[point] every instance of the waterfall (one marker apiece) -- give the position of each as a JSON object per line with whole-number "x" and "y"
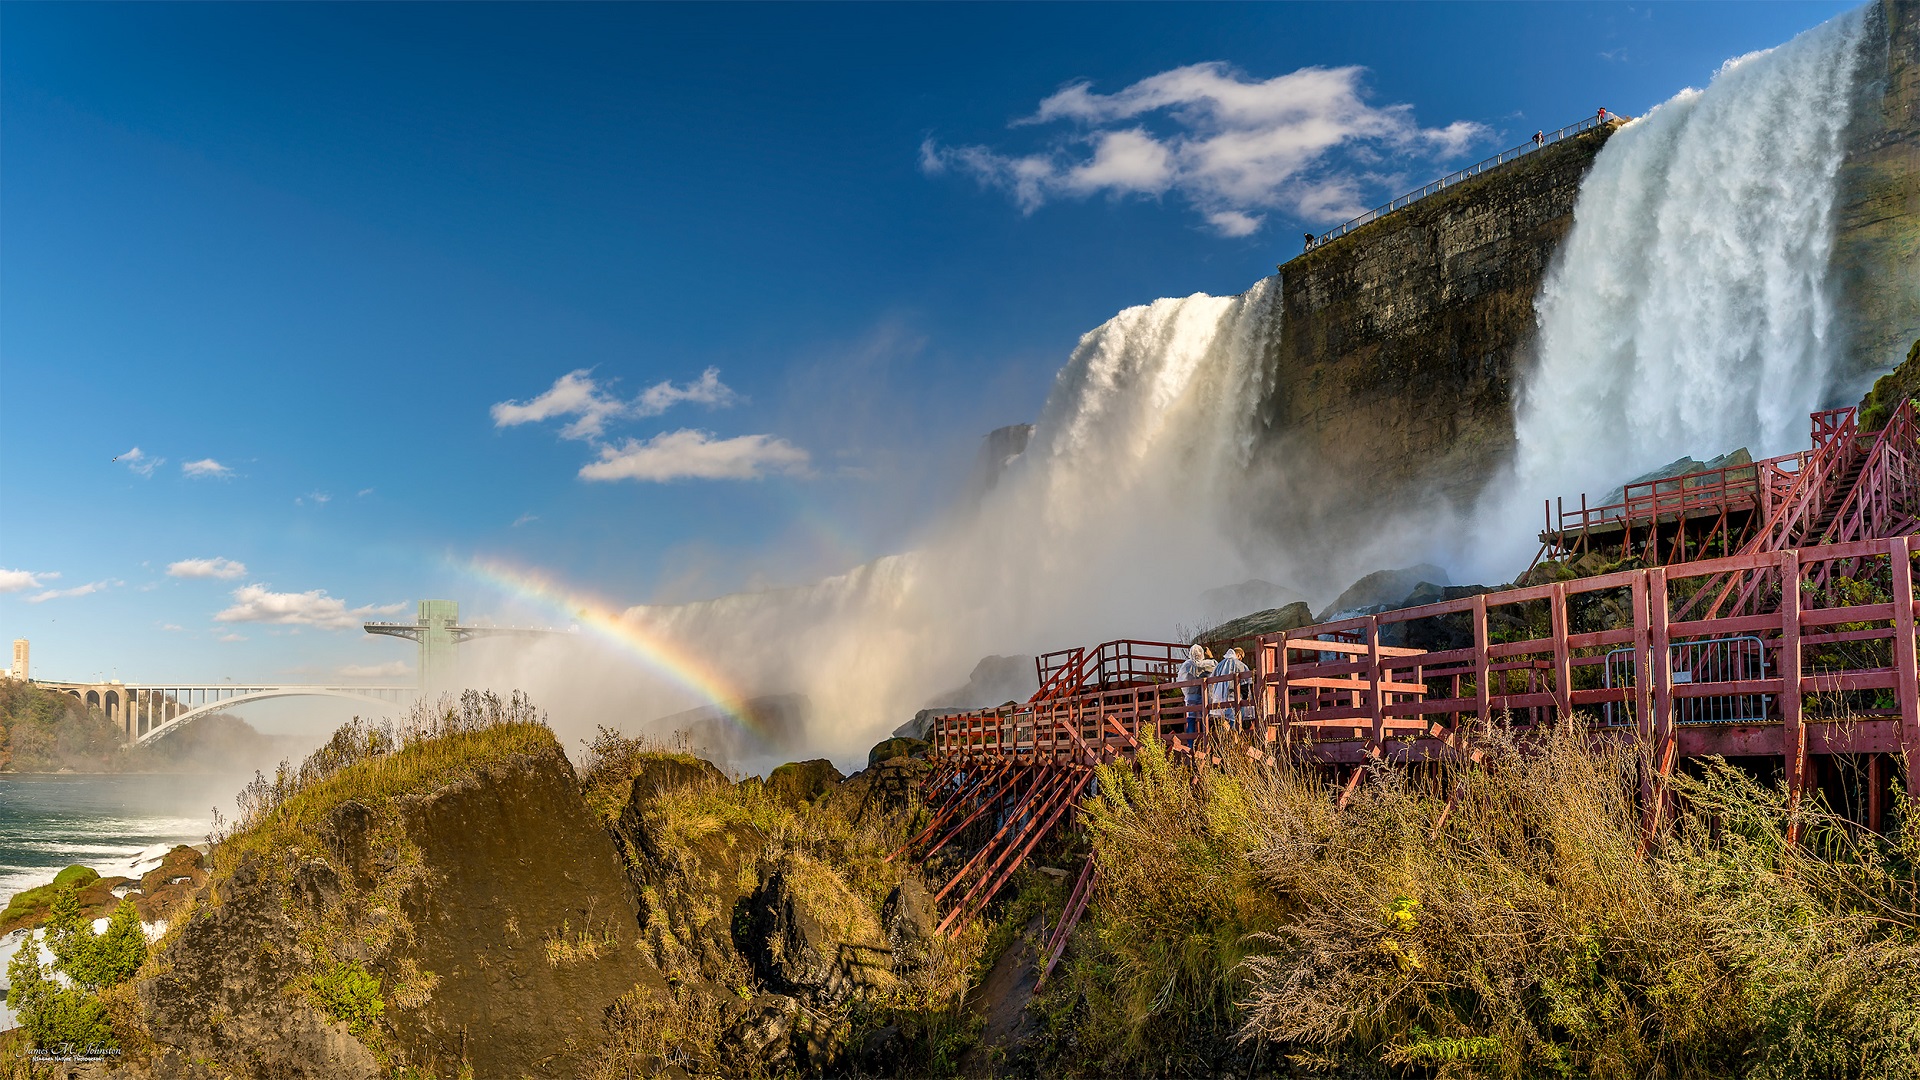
{"x": 1112, "y": 521}
{"x": 1689, "y": 310}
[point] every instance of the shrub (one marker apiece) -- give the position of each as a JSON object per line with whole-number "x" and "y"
{"x": 55, "y": 1011}
{"x": 349, "y": 993}
{"x": 1159, "y": 971}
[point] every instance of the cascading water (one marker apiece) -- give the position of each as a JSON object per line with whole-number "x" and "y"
{"x": 1113, "y": 517}
{"x": 1689, "y": 310}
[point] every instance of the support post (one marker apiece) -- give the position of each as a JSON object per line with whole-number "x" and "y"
{"x": 1876, "y": 779}
{"x": 1562, "y": 656}
{"x": 1376, "y": 699}
{"x": 1906, "y": 679}
{"x": 1480, "y": 663}
{"x": 1793, "y": 736}
{"x": 1659, "y": 722}
{"x": 1642, "y": 661}
{"x": 1659, "y": 660}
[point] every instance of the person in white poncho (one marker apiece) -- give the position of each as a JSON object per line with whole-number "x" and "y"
{"x": 1198, "y": 665}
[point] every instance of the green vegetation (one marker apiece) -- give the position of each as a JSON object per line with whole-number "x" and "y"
{"x": 350, "y": 994}
{"x": 373, "y": 764}
{"x": 1240, "y": 917}
{"x": 57, "y": 1011}
{"x": 45, "y": 731}
{"x": 1900, "y": 384}
{"x": 48, "y": 731}
{"x": 705, "y": 844}
{"x": 291, "y": 812}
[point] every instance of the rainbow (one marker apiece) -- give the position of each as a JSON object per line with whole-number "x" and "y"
{"x": 658, "y": 652}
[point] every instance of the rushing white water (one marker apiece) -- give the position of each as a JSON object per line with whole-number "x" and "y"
{"x": 1112, "y": 522}
{"x": 1689, "y": 310}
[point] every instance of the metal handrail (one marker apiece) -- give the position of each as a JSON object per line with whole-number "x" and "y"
{"x": 1546, "y": 139}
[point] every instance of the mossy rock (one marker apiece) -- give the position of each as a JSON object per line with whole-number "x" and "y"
{"x": 888, "y": 749}
{"x": 77, "y": 876}
{"x": 1900, "y": 384}
{"x": 1270, "y": 621}
{"x": 667, "y": 772}
{"x": 30, "y": 907}
{"x": 800, "y": 782}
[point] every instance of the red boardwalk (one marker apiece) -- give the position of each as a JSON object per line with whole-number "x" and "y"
{"x": 1797, "y": 647}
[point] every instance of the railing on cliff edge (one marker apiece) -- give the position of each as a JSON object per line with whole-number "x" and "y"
{"x": 1547, "y": 139}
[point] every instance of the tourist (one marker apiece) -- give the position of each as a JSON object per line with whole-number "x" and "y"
{"x": 1195, "y": 667}
{"x": 1539, "y": 138}
{"x": 1227, "y": 691}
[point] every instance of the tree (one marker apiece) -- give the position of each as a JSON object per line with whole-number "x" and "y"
{"x": 57, "y": 1004}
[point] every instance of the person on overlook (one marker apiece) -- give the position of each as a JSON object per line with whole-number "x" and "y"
{"x": 1226, "y": 693}
{"x": 1539, "y": 138}
{"x": 1198, "y": 665}
{"x": 1603, "y": 116}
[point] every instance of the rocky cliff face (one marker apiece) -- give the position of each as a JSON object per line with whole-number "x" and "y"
{"x": 1876, "y": 257}
{"x": 504, "y": 917}
{"x": 524, "y": 917}
{"x": 1404, "y": 343}
{"x": 1396, "y": 365}
{"x": 495, "y": 912}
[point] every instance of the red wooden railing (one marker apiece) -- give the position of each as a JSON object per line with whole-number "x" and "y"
{"x": 1338, "y": 691}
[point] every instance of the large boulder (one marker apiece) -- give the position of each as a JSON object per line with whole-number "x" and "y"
{"x": 1271, "y": 621}
{"x": 800, "y": 782}
{"x": 1381, "y": 590}
{"x": 993, "y": 680}
{"x": 921, "y": 726}
{"x": 896, "y": 747}
{"x": 811, "y": 936}
{"x": 233, "y": 990}
{"x": 911, "y": 920}
{"x": 523, "y": 912}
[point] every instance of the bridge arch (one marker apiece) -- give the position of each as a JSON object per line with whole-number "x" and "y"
{"x": 386, "y": 698}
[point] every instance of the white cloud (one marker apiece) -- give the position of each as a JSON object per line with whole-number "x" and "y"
{"x": 708, "y": 390}
{"x": 173, "y": 628}
{"x": 205, "y": 467}
{"x": 258, "y": 604}
{"x": 140, "y": 463}
{"x": 318, "y": 498}
{"x": 364, "y": 492}
{"x": 393, "y": 670}
{"x": 696, "y": 455}
{"x": 577, "y": 395}
{"x": 224, "y": 569}
{"x": 1306, "y": 143}
{"x": 88, "y": 589}
{"x": 525, "y": 519}
{"x": 22, "y": 580}
{"x": 230, "y": 638}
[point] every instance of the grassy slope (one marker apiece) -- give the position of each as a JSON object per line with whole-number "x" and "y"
{"x": 1241, "y": 920}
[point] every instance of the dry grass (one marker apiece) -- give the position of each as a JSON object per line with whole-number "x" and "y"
{"x": 283, "y": 816}
{"x": 1528, "y": 936}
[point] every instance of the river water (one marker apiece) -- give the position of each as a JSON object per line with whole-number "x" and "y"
{"x": 105, "y": 822}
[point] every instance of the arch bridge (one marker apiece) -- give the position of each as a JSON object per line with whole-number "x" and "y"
{"x": 146, "y": 712}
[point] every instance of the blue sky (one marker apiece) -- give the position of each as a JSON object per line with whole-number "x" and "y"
{"x": 320, "y": 264}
